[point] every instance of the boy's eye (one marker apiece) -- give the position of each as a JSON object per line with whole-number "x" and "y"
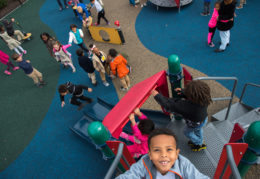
{"x": 156, "y": 150}
{"x": 169, "y": 149}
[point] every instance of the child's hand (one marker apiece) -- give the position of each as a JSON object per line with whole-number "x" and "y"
{"x": 12, "y": 19}
{"x": 138, "y": 112}
{"x": 178, "y": 90}
{"x": 62, "y": 104}
{"x": 154, "y": 92}
{"x": 90, "y": 90}
{"x": 28, "y": 61}
{"x": 132, "y": 119}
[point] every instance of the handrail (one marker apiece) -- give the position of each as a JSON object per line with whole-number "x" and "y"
{"x": 244, "y": 89}
{"x": 232, "y": 163}
{"x": 232, "y": 93}
{"x": 115, "y": 162}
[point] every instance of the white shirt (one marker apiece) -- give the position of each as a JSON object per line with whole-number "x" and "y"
{"x": 98, "y": 6}
{"x": 168, "y": 175}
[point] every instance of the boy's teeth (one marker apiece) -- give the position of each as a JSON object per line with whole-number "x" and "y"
{"x": 164, "y": 163}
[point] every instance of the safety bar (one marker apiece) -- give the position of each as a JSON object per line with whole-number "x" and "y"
{"x": 113, "y": 166}
{"x": 244, "y": 89}
{"x": 232, "y": 163}
{"x": 223, "y": 98}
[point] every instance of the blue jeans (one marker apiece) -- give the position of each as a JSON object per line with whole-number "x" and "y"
{"x": 195, "y": 134}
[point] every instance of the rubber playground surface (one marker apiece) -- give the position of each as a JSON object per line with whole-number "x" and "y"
{"x": 36, "y": 141}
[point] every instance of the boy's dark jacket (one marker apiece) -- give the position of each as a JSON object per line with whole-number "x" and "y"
{"x": 194, "y": 114}
{"x": 75, "y": 90}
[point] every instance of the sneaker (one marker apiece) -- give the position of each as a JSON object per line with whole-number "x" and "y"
{"x": 67, "y": 7}
{"x": 39, "y": 85}
{"x": 108, "y": 23}
{"x": 16, "y": 68}
{"x": 239, "y": 7}
{"x": 96, "y": 24}
{"x": 203, "y": 14}
{"x": 218, "y": 50}
{"x": 81, "y": 106}
{"x": 7, "y": 72}
{"x": 190, "y": 143}
{"x": 60, "y": 8}
{"x": 105, "y": 83}
{"x": 94, "y": 84}
{"x": 145, "y": 4}
{"x": 24, "y": 52}
{"x": 211, "y": 44}
{"x": 123, "y": 89}
{"x": 43, "y": 83}
{"x": 142, "y": 5}
{"x": 197, "y": 148}
{"x": 89, "y": 100}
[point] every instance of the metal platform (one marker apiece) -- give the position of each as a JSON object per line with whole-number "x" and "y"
{"x": 207, "y": 164}
{"x": 236, "y": 110}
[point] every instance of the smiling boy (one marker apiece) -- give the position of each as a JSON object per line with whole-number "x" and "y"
{"x": 163, "y": 160}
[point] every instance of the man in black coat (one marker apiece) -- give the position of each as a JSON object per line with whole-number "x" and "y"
{"x": 225, "y": 22}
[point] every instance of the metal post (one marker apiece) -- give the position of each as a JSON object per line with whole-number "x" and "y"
{"x": 232, "y": 162}
{"x": 252, "y": 138}
{"x": 232, "y": 96}
{"x": 115, "y": 162}
{"x": 175, "y": 76}
{"x": 99, "y": 135}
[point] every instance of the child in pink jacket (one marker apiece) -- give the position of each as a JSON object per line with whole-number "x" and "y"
{"x": 4, "y": 59}
{"x": 213, "y": 24}
{"x": 140, "y": 135}
{"x": 62, "y": 55}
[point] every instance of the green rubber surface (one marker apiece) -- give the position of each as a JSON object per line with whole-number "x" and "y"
{"x": 23, "y": 106}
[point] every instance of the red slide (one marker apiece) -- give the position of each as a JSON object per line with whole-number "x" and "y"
{"x": 117, "y": 118}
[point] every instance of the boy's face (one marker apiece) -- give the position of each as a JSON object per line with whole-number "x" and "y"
{"x": 163, "y": 152}
{"x": 19, "y": 59}
{"x": 64, "y": 94}
{"x": 74, "y": 29}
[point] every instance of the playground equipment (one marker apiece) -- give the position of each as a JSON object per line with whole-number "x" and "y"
{"x": 170, "y": 3}
{"x": 224, "y": 151}
{"x": 107, "y": 34}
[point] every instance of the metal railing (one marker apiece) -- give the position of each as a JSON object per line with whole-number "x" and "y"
{"x": 114, "y": 165}
{"x": 244, "y": 89}
{"x": 235, "y": 173}
{"x": 223, "y": 98}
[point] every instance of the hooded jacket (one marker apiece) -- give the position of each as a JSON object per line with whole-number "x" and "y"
{"x": 144, "y": 168}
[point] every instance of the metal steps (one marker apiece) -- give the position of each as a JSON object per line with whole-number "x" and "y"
{"x": 247, "y": 118}
{"x": 207, "y": 164}
{"x": 236, "y": 110}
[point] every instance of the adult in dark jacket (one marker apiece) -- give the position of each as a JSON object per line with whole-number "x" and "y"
{"x": 225, "y": 22}
{"x": 77, "y": 92}
{"x": 192, "y": 106}
{"x": 87, "y": 65}
{"x": 11, "y": 31}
